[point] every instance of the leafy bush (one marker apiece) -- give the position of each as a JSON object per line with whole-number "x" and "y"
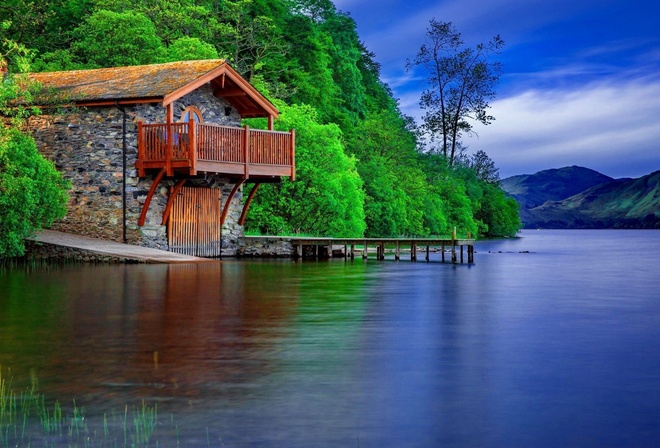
{"x": 33, "y": 193}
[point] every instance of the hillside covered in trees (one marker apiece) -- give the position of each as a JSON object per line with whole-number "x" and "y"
{"x": 361, "y": 167}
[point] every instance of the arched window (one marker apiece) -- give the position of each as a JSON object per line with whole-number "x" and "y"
{"x": 191, "y": 112}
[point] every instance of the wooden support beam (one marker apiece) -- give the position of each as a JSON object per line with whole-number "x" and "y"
{"x": 461, "y": 254}
{"x": 442, "y": 248}
{"x": 152, "y": 190}
{"x": 427, "y": 253}
{"x": 397, "y": 252}
{"x": 365, "y": 251}
{"x": 174, "y": 191}
{"x": 246, "y": 206}
{"x": 225, "y": 209}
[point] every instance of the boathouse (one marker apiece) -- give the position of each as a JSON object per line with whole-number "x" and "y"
{"x": 157, "y": 156}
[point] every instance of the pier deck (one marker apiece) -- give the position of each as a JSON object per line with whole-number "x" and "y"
{"x": 455, "y": 247}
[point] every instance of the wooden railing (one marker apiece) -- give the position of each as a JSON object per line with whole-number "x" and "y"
{"x": 208, "y": 147}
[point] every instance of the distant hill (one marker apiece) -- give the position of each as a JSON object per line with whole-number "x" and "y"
{"x": 577, "y": 197}
{"x": 532, "y": 190}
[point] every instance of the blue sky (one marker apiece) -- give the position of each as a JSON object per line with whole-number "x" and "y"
{"x": 581, "y": 81}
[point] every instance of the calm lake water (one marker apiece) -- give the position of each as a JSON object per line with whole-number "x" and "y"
{"x": 548, "y": 340}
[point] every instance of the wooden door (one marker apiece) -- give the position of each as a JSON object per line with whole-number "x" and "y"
{"x": 194, "y": 223}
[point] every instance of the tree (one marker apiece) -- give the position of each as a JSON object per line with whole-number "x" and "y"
{"x": 249, "y": 37}
{"x": 32, "y": 193}
{"x": 484, "y": 167}
{"x": 111, "y": 39}
{"x": 460, "y": 83}
{"x": 190, "y": 49}
{"x": 327, "y": 198}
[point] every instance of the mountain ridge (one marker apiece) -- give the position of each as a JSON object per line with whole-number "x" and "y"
{"x": 578, "y": 197}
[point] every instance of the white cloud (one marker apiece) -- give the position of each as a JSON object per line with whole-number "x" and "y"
{"x": 611, "y": 128}
{"x": 557, "y": 115}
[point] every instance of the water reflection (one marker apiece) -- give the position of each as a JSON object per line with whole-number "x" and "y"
{"x": 538, "y": 348}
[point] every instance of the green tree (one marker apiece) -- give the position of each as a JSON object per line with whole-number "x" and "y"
{"x": 484, "y": 167}
{"x": 461, "y": 82}
{"x": 250, "y": 37}
{"x": 387, "y": 162}
{"x": 173, "y": 19}
{"x": 190, "y": 49}
{"x": 32, "y": 192}
{"x": 498, "y": 212}
{"x": 111, "y": 39}
{"x": 327, "y": 198}
{"x": 495, "y": 214}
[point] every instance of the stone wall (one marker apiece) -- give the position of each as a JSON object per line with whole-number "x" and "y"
{"x": 265, "y": 247}
{"x": 86, "y": 145}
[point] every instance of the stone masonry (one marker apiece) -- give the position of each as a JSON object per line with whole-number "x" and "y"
{"x": 86, "y": 145}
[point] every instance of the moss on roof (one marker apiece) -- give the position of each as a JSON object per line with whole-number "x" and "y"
{"x": 143, "y": 81}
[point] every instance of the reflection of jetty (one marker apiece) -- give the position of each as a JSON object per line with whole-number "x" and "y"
{"x": 323, "y": 247}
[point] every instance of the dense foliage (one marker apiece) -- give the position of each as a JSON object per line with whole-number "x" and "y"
{"x": 32, "y": 192}
{"x": 360, "y": 168}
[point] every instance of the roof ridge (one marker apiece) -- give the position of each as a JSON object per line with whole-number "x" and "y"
{"x": 173, "y": 63}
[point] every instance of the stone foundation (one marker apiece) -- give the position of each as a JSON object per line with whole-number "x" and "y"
{"x": 264, "y": 247}
{"x": 54, "y": 254}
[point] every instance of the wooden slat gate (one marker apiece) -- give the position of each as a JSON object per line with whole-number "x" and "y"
{"x": 194, "y": 224}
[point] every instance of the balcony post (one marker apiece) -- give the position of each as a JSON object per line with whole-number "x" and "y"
{"x": 246, "y": 149}
{"x": 293, "y": 154}
{"x": 192, "y": 145}
{"x": 170, "y": 142}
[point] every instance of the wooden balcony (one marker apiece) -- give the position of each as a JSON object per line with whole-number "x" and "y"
{"x": 189, "y": 148}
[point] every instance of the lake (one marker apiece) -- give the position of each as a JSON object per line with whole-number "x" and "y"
{"x": 550, "y": 339}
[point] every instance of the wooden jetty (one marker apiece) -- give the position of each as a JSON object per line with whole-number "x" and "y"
{"x": 453, "y": 248}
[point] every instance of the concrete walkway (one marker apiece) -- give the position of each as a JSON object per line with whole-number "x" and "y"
{"x": 112, "y": 248}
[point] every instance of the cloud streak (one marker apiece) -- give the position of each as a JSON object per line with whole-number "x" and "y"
{"x": 581, "y": 79}
{"x": 610, "y": 127}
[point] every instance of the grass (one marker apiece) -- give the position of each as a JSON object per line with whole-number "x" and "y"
{"x": 28, "y": 420}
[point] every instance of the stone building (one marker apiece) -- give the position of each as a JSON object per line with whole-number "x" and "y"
{"x": 156, "y": 154}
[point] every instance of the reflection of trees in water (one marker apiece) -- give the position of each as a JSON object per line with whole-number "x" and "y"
{"x": 110, "y": 335}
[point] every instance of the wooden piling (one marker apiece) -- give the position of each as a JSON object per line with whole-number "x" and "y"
{"x": 444, "y": 245}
